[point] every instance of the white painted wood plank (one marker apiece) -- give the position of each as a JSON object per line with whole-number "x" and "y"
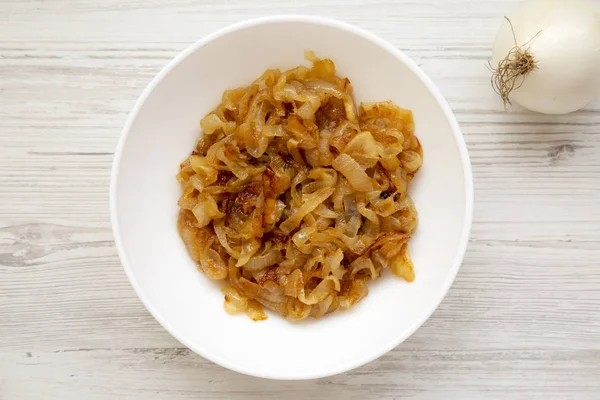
{"x": 522, "y": 320}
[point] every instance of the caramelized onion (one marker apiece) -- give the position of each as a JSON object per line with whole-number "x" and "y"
{"x": 310, "y": 202}
{"x": 255, "y": 311}
{"x": 261, "y": 262}
{"x": 235, "y": 303}
{"x": 296, "y": 199}
{"x": 213, "y": 265}
{"x": 358, "y": 178}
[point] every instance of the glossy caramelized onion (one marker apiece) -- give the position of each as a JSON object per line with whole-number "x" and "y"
{"x": 295, "y": 198}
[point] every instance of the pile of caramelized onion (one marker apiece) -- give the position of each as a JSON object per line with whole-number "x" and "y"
{"x": 295, "y": 198}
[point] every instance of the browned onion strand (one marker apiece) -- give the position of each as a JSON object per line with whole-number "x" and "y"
{"x": 295, "y": 198}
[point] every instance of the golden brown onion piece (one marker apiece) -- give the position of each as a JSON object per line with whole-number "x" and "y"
{"x": 295, "y": 198}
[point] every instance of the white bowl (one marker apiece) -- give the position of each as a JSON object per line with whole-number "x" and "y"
{"x": 161, "y": 131}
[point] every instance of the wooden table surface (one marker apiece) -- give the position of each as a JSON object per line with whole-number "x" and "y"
{"x": 522, "y": 320}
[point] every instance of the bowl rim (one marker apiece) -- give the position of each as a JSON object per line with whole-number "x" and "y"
{"x": 459, "y": 139}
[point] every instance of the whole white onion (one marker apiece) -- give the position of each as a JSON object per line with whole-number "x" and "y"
{"x": 546, "y": 56}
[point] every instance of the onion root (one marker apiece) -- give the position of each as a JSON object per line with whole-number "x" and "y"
{"x": 516, "y": 64}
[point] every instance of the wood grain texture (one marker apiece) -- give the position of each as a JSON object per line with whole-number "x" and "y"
{"x": 522, "y": 320}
